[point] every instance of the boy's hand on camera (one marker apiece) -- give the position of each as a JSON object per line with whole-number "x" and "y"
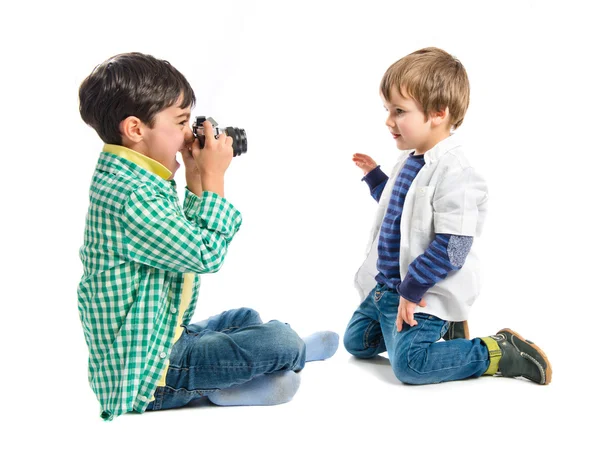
{"x": 406, "y": 312}
{"x": 213, "y": 160}
{"x": 215, "y": 157}
{"x": 364, "y": 162}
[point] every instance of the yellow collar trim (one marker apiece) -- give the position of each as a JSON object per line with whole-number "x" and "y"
{"x": 140, "y": 160}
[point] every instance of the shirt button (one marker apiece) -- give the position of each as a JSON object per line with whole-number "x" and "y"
{"x": 162, "y": 355}
{"x": 173, "y": 310}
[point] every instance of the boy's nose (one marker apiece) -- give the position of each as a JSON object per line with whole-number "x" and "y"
{"x": 188, "y": 136}
{"x": 389, "y": 122}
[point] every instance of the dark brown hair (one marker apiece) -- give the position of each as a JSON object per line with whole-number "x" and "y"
{"x": 130, "y": 84}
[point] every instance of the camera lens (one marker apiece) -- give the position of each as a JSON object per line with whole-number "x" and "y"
{"x": 240, "y": 142}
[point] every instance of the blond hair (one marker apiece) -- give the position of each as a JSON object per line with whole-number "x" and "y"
{"x": 434, "y": 79}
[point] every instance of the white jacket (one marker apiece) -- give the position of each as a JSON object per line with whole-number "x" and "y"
{"x": 446, "y": 197}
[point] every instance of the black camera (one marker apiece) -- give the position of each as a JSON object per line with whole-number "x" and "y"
{"x": 240, "y": 142}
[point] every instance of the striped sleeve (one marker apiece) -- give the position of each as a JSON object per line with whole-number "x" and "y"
{"x": 376, "y": 180}
{"x": 446, "y": 253}
{"x": 158, "y": 234}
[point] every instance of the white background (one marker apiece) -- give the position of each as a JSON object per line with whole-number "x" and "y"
{"x": 302, "y": 78}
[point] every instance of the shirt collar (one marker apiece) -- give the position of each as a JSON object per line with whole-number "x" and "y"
{"x": 140, "y": 160}
{"x": 441, "y": 148}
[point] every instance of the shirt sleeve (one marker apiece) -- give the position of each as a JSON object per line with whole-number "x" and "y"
{"x": 446, "y": 253}
{"x": 376, "y": 180}
{"x": 158, "y": 233}
{"x": 459, "y": 203}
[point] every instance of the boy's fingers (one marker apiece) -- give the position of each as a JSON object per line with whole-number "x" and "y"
{"x": 410, "y": 318}
{"x": 408, "y": 312}
{"x": 400, "y": 319}
{"x": 209, "y": 132}
{"x": 194, "y": 145}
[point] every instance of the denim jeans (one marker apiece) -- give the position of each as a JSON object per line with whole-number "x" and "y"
{"x": 225, "y": 350}
{"x": 415, "y": 354}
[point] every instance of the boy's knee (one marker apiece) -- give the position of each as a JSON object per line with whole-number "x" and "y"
{"x": 405, "y": 373}
{"x": 250, "y": 316}
{"x": 242, "y": 317}
{"x": 354, "y": 345}
{"x": 351, "y": 345}
{"x": 282, "y": 337}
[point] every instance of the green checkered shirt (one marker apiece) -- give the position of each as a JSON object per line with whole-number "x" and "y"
{"x": 139, "y": 242}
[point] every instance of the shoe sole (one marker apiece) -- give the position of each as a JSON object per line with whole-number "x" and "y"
{"x": 548, "y": 371}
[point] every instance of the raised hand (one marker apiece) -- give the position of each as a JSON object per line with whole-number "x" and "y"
{"x": 364, "y": 162}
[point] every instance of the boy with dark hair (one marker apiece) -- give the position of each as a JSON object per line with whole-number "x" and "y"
{"x": 143, "y": 251}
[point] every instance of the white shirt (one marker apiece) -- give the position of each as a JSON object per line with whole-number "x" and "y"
{"x": 446, "y": 197}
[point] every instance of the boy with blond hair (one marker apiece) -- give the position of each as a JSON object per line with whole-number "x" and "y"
{"x": 143, "y": 253}
{"x": 421, "y": 277}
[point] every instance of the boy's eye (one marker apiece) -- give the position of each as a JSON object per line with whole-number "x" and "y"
{"x": 399, "y": 111}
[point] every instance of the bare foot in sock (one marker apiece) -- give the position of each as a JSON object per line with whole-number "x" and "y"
{"x": 262, "y": 390}
{"x": 321, "y": 345}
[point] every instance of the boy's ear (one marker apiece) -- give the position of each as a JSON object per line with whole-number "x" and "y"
{"x": 132, "y": 130}
{"x": 440, "y": 116}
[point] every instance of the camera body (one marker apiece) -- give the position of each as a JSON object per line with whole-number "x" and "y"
{"x": 240, "y": 142}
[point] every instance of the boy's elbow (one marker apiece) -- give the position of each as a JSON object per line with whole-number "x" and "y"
{"x": 458, "y": 250}
{"x": 213, "y": 262}
{"x": 217, "y": 265}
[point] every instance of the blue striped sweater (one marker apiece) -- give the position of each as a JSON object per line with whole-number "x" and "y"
{"x": 446, "y": 252}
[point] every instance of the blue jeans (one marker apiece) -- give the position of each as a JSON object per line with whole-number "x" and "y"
{"x": 225, "y": 350}
{"x": 415, "y": 354}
